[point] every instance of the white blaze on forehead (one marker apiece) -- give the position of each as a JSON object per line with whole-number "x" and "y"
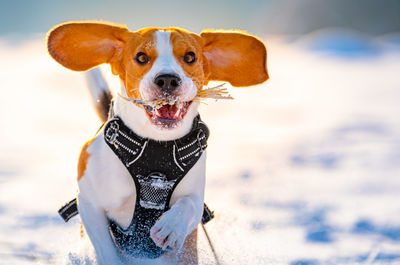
{"x": 166, "y": 61}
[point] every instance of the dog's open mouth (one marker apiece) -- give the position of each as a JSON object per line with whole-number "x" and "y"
{"x": 167, "y": 113}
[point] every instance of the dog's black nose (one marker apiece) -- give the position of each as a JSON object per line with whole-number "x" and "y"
{"x": 167, "y": 82}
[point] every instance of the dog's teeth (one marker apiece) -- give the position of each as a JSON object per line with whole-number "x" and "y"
{"x": 177, "y": 113}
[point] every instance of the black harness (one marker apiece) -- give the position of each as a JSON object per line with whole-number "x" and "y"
{"x": 156, "y": 167}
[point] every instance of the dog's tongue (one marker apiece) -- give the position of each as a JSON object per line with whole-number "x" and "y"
{"x": 167, "y": 111}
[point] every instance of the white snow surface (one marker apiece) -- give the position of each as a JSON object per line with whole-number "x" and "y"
{"x": 303, "y": 169}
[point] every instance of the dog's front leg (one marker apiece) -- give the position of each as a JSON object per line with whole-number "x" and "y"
{"x": 187, "y": 203}
{"x": 176, "y": 223}
{"x": 96, "y": 225}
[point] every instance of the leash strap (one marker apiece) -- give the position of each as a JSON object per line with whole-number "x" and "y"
{"x": 217, "y": 262}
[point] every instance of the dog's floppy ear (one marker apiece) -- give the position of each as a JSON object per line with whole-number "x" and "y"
{"x": 80, "y": 46}
{"x": 235, "y": 57}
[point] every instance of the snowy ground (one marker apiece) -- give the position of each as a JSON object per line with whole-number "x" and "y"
{"x": 302, "y": 170}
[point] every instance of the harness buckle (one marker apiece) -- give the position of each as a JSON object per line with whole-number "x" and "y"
{"x": 112, "y": 132}
{"x": 201, "y": 136}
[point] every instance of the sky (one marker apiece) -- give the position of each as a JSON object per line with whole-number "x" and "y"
{"x": 22, "y": 18}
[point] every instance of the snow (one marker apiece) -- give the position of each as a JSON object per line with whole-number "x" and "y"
{"x": 303, "y": 169}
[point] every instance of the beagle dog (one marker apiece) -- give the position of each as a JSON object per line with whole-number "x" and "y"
{"x": 140, "y": 195}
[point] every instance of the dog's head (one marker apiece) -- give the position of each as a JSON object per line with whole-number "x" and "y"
{"x": 155, "y": 63}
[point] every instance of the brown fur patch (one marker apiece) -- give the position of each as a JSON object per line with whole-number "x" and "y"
{"x": 80, "y": 46}
{"x": 142, "y": 41}
{"x": 182, "y": 42}
{"x": 82, "y": 231}
{"x": 188, "y": 254}
{"x": 236, "y": 57}
{"x": 83, "y": 159}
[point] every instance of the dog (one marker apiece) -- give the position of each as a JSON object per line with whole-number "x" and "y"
{"x": 141, "y": 191}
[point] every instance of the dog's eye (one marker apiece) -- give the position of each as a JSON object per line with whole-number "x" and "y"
{"x": 142, "y": 58}
{"x": 189, "y": 58}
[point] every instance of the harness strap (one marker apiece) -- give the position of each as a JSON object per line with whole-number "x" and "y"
{"x": 135, "y": 145}
{"x": 70, "y": 210}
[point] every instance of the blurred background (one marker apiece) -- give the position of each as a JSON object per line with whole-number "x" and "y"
{"x": 314, "y": 177}
{"x": 293, "y": 17}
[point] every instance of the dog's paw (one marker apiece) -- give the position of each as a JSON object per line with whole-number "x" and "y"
{"x": 169, "y": 230}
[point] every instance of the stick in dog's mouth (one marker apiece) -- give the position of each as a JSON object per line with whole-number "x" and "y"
{"x": 216, "y": 92}
{"x": 170, "y": 110}
{"x": 163, "y": 109}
